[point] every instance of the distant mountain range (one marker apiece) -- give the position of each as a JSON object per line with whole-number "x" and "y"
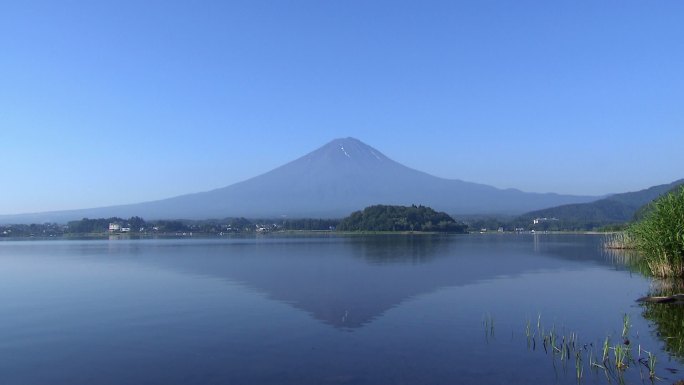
{"x": 614, "y": 209}
{"x": 342, "y": 176}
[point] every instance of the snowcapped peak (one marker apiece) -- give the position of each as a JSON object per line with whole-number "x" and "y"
{"x": 349, "y": 149}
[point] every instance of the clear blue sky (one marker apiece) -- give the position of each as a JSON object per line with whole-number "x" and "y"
{"x": 116, "y": 102}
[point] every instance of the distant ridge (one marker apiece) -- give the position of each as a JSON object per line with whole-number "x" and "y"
{"x": 614, "y": 209}
{"x": 342, "y": 176}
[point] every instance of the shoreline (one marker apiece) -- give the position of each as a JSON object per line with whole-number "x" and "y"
{"x": 201, "y": 235}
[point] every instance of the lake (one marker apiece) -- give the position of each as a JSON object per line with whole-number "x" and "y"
{"x": 323, "y": 309}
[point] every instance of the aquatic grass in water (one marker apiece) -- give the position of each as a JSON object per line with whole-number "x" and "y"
{"x": 529, "y": 334}
{"x": 620, "y": 353}
{"x": 649, "y": 362}
{"x": 616, "y": 358}
{"x": 606, "y": 348}
{"x": 625, "y": 326}
{"x": 579, "y": 368}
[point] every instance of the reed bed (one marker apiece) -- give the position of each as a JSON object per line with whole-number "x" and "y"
{"x": 618, "y": 241}
{"x": 660, "y": 236}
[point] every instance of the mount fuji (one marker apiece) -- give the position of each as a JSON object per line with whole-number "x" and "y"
{"x": 340, "y": 177}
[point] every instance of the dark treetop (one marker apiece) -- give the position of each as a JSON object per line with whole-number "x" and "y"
{"x": 400, "y": 218}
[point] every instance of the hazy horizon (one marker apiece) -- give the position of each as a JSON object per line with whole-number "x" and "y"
{"x": 108, "y": 104}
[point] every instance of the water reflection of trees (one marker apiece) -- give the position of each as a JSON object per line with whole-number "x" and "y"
{"x": 626, "y": 258}
{"x": 668, "y": 319}
{"x": 394, "y": 248}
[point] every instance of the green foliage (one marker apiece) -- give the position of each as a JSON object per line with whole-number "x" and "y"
{"x": 239, "y": 223}
{"x": 171, "y": 226}
{"x": 493, "y": 223}
{"x": 88, "y": 226}
{"x": 135, "y": 223}
{"x": 400, "y": 218}
{"x": 32, "y": 230}
{"x": 101, "y": 225}
{"x": 646, "y": 209}
{"x": 138, "y": 225}
{"x": 660, "y": 235}
{"x": 310, "y": 224}
{"x": 620, "y": 241}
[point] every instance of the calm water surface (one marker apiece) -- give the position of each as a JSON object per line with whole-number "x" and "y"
{"x": 395, "y": 309}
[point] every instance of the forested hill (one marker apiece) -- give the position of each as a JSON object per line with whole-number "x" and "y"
{"x": 615, "y": 209}
{"x": 400, "y": 218}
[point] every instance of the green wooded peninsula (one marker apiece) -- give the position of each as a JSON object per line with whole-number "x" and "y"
{"x": 401, "y": 218}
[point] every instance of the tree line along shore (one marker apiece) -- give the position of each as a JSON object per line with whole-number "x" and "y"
{"x": 378, "y": 218}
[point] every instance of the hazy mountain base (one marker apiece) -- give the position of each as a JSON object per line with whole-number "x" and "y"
{"x": 330, "y": 182}
{"x": 609, "y": 214}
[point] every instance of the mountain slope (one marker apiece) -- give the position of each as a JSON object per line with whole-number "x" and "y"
{"x": 342, "y": 176}
{"x": 618, "y": 208}
{"x": 644, "y": 210}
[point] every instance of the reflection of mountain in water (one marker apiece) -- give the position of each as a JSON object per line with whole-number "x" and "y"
{"x": 347, "y": 282}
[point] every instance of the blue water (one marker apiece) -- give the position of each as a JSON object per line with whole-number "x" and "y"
{"x": 393, "y": 309}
